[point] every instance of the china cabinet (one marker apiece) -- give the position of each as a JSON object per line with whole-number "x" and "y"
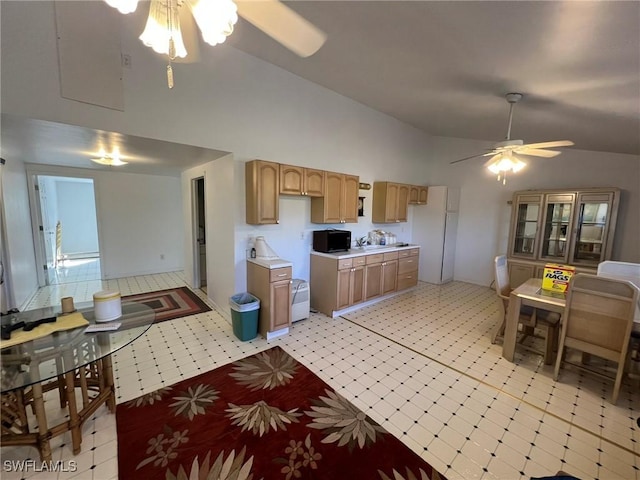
{"x": 570, "y": 227}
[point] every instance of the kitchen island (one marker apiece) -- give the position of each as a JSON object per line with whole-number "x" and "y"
{"x": 343, "y": 281}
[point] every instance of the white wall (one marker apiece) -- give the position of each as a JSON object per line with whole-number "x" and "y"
{"x": 139, "y": 220}
{"x": 483, "y": 227}
{"x": 220, "y": 198}
{"x": 237, "y": 103}
{"x": 21, "y": 264}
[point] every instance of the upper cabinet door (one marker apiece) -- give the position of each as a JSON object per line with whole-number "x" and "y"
{"x": 414, "y": 195}
{"x": 313, "y": 182}
{"x": 351, "y": 186}
{"x": 526, "y": 219}
{"x": 333, "y": 198}
{"x": 423, "y": 194}
{"x": 594, "y": 225}
{"x": 262, "y": 192}
{"x": 556, "y": 227}
{"x": 402, "y": 203}
{"x": 291, "y": 180}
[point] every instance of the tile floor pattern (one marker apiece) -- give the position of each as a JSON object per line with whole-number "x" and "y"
{"x": 75, "y": 270}
{"x": 420, "y": 364}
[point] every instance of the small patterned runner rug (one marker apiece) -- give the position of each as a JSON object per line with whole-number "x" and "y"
{"x": 171, "y": 303}
{"x": 263, "y": 417}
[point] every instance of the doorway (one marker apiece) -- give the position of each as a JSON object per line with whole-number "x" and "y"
{"x": 68, "y": 229}
{"x": 199, "y": 234}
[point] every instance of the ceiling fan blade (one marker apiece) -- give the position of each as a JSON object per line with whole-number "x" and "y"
{"x": 283, "y": 25}
{"x": 558, "y": 143}
{"x": 538, "y": 152}
{"x": 492, "y": 152}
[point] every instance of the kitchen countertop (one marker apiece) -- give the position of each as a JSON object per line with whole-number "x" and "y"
{"x": 271, "y": 263}
{"x": 358, "y": 251}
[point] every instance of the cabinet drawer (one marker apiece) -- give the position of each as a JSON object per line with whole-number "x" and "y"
{"x": 377, "y": 258}
{"x": 278, "y": 274}
{"x": 359, "y": 261}
{"x": 410, "y": 252}
{"x": 390, "y": 256}
{"x": 345, "y": 263}
{"x": 407, "y": 280}
{"x": 409, "y": 264}
{"x": 414, "y": 252}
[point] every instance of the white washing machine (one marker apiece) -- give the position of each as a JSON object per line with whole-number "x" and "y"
{"x": 299, "y": 299}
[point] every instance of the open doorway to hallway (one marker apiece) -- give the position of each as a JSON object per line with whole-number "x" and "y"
{"x": 199, "y": 226}
{"x": 68, "y": 229}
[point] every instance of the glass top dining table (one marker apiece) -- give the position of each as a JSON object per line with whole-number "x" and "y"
{"x": 42, "y": 359}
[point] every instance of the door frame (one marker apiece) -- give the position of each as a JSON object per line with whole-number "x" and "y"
{"x": 36, "y": 213}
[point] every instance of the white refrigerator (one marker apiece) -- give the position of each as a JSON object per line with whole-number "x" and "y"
{"x": 434, "y": 228}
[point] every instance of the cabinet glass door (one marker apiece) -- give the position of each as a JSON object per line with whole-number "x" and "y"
{"x": 527, "y": 217}
{"x": 557, "y": 228}
{"x": 593, "y": 212}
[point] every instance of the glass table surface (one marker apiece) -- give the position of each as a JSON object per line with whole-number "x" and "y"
{"x": 45, "y": 358}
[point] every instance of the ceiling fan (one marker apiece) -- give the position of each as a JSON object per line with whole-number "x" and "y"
{"x": 504, "y": 155}
{"x": 216, "y": 20}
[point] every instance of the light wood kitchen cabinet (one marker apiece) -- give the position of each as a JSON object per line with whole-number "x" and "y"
{"x": 262, "y": 192}
{"x": 418, "y": 195}
{"x": 408, "y": 261}
{"x": 339, "y": 204}
{"x": 381, "y": 274}
{"x": 301, "y": 181}
{"x": 337, "y": 283}
{"x": 390, "y": 202}
{"x": 273, "y": 287}
{"x": 569, "y": 227}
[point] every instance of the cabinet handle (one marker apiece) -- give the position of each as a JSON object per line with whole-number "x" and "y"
{"x": 277, "y": 221}
{"x": 282, "y": 275}
{"x": 409, "y": 261}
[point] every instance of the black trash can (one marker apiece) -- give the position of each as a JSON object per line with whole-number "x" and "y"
{"x": 245, "y": 309}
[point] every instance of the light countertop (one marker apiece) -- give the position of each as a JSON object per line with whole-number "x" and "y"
{"x": 358, "y": 252}
{"x": 271, "y": 263}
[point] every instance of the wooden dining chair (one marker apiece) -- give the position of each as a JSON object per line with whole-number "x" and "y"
{"x": 530, "y": 318}
{"x": 597, "y": 320}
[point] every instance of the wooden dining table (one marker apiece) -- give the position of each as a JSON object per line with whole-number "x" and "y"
{"x": 531, "y": 293}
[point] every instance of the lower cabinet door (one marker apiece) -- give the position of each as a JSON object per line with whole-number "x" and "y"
{"x": 280, "y": 304}
{"x": 373, "y": 281}
{"x": 356, "y": 290}
{"x": 343, "y": 289}
{"x": 389, "y": 277}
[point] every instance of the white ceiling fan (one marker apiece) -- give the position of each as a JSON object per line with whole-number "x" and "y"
{"x": 216, "y": 20}
{"x": 505, "y": 155}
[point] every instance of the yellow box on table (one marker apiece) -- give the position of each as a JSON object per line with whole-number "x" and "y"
{"x": 555, "y": 277}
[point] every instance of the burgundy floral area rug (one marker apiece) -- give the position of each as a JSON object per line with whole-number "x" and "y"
{"x": 263, "y": 417}
{"x": 171, "y": 303}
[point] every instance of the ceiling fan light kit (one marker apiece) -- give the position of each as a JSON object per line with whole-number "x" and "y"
{"x": 503, "y": 154}
{"x": 216, "y": 20}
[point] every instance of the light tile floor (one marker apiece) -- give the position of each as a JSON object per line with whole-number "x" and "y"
{"x": 75, "y": 270}
{"x": 421, "y": 364}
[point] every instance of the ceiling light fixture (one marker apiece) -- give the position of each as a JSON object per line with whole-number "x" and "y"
{"x": 503, "y": 163}
{"x": 109, "y": 159}
{"x": 123, "y": 6}
{"x": 215, "y": 18}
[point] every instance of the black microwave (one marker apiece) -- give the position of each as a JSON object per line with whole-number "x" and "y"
{"x": 331, "y": 240}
